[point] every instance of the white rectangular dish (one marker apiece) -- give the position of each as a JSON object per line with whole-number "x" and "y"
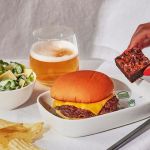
{"x": 83, "y": 127}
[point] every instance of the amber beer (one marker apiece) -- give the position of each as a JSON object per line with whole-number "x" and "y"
{"x": 51, "y": 59}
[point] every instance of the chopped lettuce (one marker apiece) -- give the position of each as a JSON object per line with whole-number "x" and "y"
{"x": 14, "y": 75}
{"x": 17, "y": 68}
{"x": 8, "y": 85}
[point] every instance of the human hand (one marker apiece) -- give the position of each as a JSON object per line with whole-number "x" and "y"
{"x": 140, "y": 40}
{"x": 141, "y": 37}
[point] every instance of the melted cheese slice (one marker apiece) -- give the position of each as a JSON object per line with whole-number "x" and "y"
{"x": 95, "y": 108}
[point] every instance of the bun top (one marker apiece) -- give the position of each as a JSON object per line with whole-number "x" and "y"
{"x": 82, "y": 87}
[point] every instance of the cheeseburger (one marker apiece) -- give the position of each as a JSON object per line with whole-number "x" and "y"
{"x": 83, "y": 94}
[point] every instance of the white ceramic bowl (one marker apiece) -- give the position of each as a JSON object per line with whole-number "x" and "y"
{"x": 14, "y": 98}
{"x": 83, "y": 127}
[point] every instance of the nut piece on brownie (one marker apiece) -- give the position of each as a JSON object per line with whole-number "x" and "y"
{"x": 132, "y": 63}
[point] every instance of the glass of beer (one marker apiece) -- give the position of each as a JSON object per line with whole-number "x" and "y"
{"x": 53, "y": 53}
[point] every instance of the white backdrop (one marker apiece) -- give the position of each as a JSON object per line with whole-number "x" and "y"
{"x": 101, "y": 26}
{"x": 108, "y": 23}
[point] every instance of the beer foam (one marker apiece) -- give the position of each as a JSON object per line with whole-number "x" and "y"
{"x": 44, "y": 50}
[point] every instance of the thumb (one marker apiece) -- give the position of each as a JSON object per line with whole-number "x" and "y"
{"x": 147, "y": 71}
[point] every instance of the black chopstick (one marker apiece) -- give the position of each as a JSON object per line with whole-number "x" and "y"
{"x": 132, "y": 135}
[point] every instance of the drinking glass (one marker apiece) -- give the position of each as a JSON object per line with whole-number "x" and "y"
{"x": 53, "y": 53}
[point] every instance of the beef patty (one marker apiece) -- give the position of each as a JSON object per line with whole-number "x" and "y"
{"x": 74, "y": 112}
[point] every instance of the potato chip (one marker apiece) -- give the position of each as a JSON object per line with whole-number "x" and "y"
{"x": 19, "y": 144}
{"x": 13, "y": 134}
{"x": 3, "y": 148}
{"x": 22, "y": 135}
{"x": 36, "y": 130}
{"x": 4, "y": 123}
{"x": 3, "y": 142}
{"x": 14, "y": 127}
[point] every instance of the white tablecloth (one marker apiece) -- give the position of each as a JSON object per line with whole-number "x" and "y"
{"x": 53, "y": 141}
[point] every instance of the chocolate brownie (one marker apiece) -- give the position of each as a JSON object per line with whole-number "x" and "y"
{"x": 132, "y": 63}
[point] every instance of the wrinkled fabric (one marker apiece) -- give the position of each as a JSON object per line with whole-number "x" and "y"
{"x": 18, "y": 19}
{"x": 97, "y": 23}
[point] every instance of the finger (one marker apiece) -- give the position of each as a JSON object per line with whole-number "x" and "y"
{"x": 145, "y": 43}
{"x": 134, "y": 43}
{"x": 147, "y": 71}
{"x": 139, "y": 30}
{"x": 133, "y": 37}
{"x": 137, "y": 42}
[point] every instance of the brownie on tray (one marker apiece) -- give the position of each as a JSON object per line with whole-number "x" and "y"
{"x": 132, "y": 63}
